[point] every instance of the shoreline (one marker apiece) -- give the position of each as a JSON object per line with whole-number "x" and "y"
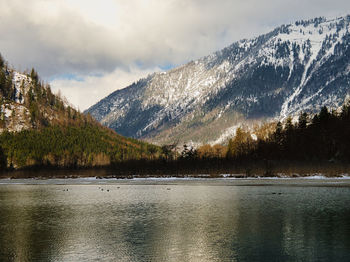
{"x": 187, "y": 169}
{"x": 171, "y": 183}
{"x": 316, "y": 176}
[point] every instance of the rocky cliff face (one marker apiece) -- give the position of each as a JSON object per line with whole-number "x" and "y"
{"x": 297, "y": 67}
{"x": 15, "y": 116}
{"x": 27, "y": 103}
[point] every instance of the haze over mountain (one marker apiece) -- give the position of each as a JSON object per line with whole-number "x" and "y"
{"x": 296, "y": 67}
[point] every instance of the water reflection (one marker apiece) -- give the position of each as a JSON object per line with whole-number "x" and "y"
{"x": 189, "y": 222}
{"x": 29, "y": 228}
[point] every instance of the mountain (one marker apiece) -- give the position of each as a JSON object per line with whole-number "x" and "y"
{"x": 39, "y": 128}
{"x": 297, "y": 67}
{"x": 26, "y": 103}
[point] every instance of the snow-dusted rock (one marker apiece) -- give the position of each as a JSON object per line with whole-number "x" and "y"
{"x": 297, "y": 67}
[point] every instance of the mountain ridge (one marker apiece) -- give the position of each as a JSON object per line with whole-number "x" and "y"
{"x": 297, "y": 67}
{"x": 40, "y": 129}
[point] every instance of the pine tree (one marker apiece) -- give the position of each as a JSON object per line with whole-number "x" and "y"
{"x": 2, "y": 61}
{"x": 278, "y": 136}
{"x": 303, "y": 120}
{"x": 240, "y": 145}
{"x": 34, "y": 76}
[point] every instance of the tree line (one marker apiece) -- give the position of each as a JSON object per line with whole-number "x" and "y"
{"x": 59, "y": 135}
{"x": 83, "y": 145}
{"x": 321, "y": 137}
{"x": 312, "y": 142}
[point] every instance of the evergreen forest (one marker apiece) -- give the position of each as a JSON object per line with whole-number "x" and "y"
{"x": 56, "y": 135}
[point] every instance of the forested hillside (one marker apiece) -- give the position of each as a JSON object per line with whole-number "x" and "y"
{"x": 323, "y": 137}
{"x": 316, "y": 143}
{"x": 39, "y": 128}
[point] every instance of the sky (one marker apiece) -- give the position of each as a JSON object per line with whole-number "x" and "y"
{"x": 90, "y": 48}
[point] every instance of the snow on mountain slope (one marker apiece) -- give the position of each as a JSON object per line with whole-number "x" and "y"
{"x": 294, "y": 68}
{"x": 27, "y": 103}
{"x": 15, "y": 115}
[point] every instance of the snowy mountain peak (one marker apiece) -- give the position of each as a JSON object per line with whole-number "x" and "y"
{"x": 297, "y": 67}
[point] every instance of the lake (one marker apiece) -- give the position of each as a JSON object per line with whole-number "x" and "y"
{"x": 175, "y": 220}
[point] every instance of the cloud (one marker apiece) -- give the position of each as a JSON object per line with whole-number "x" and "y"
{"x": 85, "y": 91}
{"x": 88, "y": 37}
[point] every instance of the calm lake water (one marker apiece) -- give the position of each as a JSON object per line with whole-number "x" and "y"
{"x": 175, "y": 220}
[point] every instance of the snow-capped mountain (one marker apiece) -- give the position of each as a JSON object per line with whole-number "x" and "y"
{"x": 297, "y": 67}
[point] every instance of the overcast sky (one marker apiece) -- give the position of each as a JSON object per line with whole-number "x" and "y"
{"x": 89, "y": 48}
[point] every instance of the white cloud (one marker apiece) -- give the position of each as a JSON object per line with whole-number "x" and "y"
{"x": 89, "y": 37}
{"x": 84, "y": 91}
